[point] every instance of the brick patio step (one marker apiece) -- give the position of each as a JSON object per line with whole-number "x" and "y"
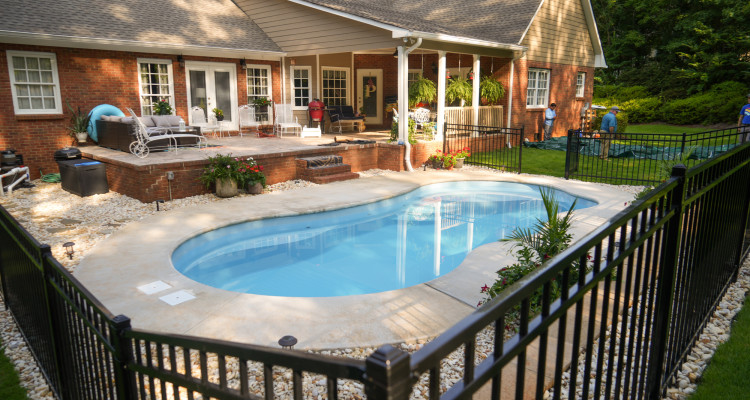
{"x": 344, "y": 176}
{"x": 324, "y": 169}
{"x": 319, "y": 161}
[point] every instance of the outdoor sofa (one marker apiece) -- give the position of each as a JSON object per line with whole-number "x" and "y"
{"x": 119, "y": 132}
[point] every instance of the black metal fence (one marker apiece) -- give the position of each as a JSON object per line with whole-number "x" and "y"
{"x": 493, "y": 147}
{"x": 642, "y": 158}
{"x": 649, "y": 280}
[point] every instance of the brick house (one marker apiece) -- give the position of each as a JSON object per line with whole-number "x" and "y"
{"x": 223, "y": 53}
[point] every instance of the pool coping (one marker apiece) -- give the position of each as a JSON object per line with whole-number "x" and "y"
{"x": 140, "y": 254}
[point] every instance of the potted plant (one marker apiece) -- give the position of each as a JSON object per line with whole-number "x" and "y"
{"x": 422, "y": 90}
{"x": 436, "y": 160}
{"x": 460, "y": 156}
{"x": 255, "y": 179}
{"x": 79, "y": 124}
{"x": 228, "y": 173}
{"x": 219, "y": 114}
{"x": 162, "y": 107}
{"x": 262, "y": 104}
{"x": 459, "y": 89}
{"x": 490, "y": 90}
{"x": 449, "y": 161}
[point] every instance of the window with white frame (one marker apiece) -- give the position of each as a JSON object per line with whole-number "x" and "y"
{"x": 335, "y": 82}
{"x": 414, "y": 75}
{"x": 537, "y": 91}
{"x": 34, "y": 82}
{"x": 301, "y": 86}
{"x": 259, "y": 86}
{"x": 580, "y": 84}
{"x": 155, "y": 82}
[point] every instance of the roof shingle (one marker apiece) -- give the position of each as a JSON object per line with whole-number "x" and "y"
{"x": 209, "y": 23}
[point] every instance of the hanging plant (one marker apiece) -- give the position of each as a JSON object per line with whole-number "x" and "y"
{"x": 459, "y": 89}
{"x": 490, "y": 89}
{"x": 422, "y": 90}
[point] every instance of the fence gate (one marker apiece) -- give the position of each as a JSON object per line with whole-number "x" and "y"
{"x": 493, "y": 147}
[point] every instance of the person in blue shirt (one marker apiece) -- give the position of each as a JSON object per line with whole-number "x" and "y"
{"x": 549, "y": 120}
{"x": 743, "y": 123}
{"x": 607, "y": 131}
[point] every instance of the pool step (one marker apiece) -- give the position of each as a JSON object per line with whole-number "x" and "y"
{"x": 324, "y": 169}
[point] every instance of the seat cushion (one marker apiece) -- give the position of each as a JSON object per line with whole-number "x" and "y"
{"x": 147, "y": 121}
{"x": 165, "y": 121}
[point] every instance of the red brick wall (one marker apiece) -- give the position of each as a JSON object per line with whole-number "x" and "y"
{"x": 89, "y": 78}
{"x": 562, "y": 92}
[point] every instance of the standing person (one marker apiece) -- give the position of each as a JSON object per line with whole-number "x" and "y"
{"x": 549, "y": 120}
{"x": 743, "y": 123}
{"x": 607, "y": 131}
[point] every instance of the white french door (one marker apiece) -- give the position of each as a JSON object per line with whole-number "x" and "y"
{"x": 213, "y": 85}
{"x": 369, "y": 96}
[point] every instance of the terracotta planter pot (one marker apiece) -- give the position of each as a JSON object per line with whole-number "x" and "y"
{"x": 255, "y": 188}
{"x": 437, "y": 164}
{"x": 459, "y": 163}
{"x": 226, "y": 188}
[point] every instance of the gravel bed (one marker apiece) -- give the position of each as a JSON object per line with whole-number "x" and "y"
{"x": 54, "y": 217}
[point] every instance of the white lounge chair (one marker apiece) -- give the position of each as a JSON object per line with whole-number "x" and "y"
{"x": 145, "y": 135}
{"x": 247, "y": 119}
{"x": 285, "y": 120}
{"x": 198, "y": 117}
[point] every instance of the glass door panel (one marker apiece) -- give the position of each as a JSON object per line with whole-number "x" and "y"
{"x": 198, "y": 90}
{"x": 222, "y": 87}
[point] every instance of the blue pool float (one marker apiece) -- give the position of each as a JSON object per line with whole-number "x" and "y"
{"x": 96, "y": 114}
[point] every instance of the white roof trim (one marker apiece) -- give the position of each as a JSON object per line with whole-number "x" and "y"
{"x": 596, "y": 41}
{"x": 462, "y": 40}
{"x": 533, "y": 17}
{"x": 133, "y": 45}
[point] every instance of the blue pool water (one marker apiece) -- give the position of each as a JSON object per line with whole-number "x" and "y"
{"x": 387, "y": 245}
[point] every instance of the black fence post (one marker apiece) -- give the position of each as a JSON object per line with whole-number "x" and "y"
{"x": 665, "y": 291}
{"x": 520, "y": 150}
{"x": 56, "y": 331}
{"x": 124, "y": 379}
{"x": 568, "y": 154}
{"x": 682, "y": 145}
{"x": 388, "y": 374}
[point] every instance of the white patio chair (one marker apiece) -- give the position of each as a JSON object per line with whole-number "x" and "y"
{"x": 145, "y": 135}
{"x": 198, "y": 116}
{"x": 247, "y": 119}
{"x": 420, "y": 116}
{"x": 285, "y": 120}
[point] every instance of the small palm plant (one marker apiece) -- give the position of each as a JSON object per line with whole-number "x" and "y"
{"x": 545, "y": 239}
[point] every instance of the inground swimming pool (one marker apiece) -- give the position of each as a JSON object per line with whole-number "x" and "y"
{"x": 377, "y": 247}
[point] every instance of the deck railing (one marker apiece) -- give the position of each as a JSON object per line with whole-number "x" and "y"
{"x": 488, "y": 116}
{"x": 636, "y": 291}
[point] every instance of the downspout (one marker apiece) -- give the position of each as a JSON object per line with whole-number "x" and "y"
{"x": 403, "y": 114}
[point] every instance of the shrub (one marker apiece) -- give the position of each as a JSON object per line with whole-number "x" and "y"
{"x": 412, "y": 132}
{"x": 641, "y": 110}
{"x": 228, "y": 167}
{"x": 720, "y": 104}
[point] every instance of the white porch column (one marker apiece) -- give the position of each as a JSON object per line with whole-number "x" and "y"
{"x": 403, "y": 101}
{"x": 475, "y": 100}
{"x": 510, "y": 92}
{"x": 441, "y": 96}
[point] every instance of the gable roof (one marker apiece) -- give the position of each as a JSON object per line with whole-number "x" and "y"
{"x": 179, "y": 24}
{"x": 498, "y": 21}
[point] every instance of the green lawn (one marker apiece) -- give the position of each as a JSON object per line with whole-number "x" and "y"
{"x": 727, "y": 375}
{"x": 10, "y": 387}
{"x": 664, "y": 129}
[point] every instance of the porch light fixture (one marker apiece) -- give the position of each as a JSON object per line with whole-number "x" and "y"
{"x": 243, "y": 64}
{"x": 69, "y": 249}
{"x": 292, "y": 61}
{"x": 287, "y": 342}
{"x": 395, "y": 54}
{"x": 181, "y": 60}
{"x": 434, "y": 68}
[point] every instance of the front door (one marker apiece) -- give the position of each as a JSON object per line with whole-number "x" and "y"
{"x": 370, "y": 95}
{"x": 213, "y": 85}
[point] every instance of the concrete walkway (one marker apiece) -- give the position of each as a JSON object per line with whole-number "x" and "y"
{"x": 140, "y": 254}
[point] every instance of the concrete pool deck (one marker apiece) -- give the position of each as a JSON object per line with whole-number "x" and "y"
{"x": 140, "y": 254}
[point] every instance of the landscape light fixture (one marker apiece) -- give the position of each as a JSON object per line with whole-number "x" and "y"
{"x": 157, "y": 204}
{"x": 69, "y": 249}
{"x": 287, "y": 342}
{"x": 181, "y": 60}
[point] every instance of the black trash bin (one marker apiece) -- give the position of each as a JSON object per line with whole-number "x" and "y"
{"x": 79, "y": 176}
